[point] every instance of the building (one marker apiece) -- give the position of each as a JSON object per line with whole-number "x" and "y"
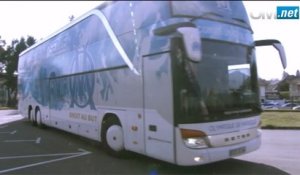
{"x": 268, "y": 89}
{"x": 294, "y": 87}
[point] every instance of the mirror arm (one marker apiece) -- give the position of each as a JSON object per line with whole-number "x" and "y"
{"x": 169, "y": 29}
{"x": 190, "y": 35}
{"x": 192, "y": 42}
{"x": 278, "y": 47}
{"x": 266, "y": 42}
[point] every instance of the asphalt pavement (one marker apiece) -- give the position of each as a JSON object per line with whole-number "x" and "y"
{"x": 280, "y": 148}
{"x": 25, "y": 149}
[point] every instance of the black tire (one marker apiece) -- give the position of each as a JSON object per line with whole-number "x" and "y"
{"x": 31, "y": 117}
{"x": 29, "y": 114}
{"x": 112, "y": 137}
{"x": 38, "y": 119}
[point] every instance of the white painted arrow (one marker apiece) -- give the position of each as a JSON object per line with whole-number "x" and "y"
{"x": 37, "y": 141}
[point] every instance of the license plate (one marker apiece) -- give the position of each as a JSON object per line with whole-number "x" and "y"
{"x": 237, "y": 151}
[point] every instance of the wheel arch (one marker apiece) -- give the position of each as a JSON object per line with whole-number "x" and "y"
{"x": 109, "y": 117}
{"x": 37, "y": 108}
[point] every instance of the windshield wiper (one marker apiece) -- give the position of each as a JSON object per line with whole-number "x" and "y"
{"x": 207, "y": 14}
{"x": 219, "y": 17}
{"x": 237, "y": 111}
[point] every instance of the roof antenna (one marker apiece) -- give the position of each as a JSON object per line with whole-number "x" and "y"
{"x": 71, "y": 18}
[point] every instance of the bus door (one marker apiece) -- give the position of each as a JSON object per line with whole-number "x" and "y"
{"x": 158, "y": 110}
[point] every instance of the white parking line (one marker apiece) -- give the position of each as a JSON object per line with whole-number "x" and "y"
{"x": 4, "y": 126}
{"x": 37, "y": 141}
{"x": 6, "y": 132}
{"x": 68, "y": 156}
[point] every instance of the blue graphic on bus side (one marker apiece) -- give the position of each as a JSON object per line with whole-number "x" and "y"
{"x": 72, "y": 68}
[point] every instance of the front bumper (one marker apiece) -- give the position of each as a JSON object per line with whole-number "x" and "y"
{"x": 187, "y": 157}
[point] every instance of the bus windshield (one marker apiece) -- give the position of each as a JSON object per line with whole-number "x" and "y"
{"x": 224, "y": 85}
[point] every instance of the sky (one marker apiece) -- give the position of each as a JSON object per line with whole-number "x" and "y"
{"x": 42, "y": 18}
{"x": 287, "y": 31}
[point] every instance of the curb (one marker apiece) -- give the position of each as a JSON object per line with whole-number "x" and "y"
{"x": 9, "y": 112}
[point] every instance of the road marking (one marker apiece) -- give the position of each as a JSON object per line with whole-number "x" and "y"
{"x": 12, "y": 132}
{"x": 45, "y": 155}
{"x": 68, "y": 156}
{"x": 37, "y": 141}
{"x": 4, "y": 126}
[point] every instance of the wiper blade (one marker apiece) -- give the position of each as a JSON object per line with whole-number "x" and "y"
{"x": 219, "y": 17}
{"x": 208, "y": 14}
{"x": 240, "y": 20}
{"x": 237, "y": 111}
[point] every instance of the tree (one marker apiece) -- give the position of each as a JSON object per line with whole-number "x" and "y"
{"x": 283, "y": 86}
{"x": 284, "y": 75}
{"x": 2, "y": 44}
{"x": 10, "y": 58}
{"x": 298, "y": 73}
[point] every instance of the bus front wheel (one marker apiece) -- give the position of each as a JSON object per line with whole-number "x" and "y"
{"x": 113, "y": 137}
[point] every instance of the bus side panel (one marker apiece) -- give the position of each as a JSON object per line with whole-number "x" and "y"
{"x": 72, "y": 104}
{"x": 23, "y": 96}
{"x": 119, "y": 92}
{"x": 33, "y": 87}
{"x": 158, "y": 107}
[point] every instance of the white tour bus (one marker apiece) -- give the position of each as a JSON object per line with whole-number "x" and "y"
{"x": 176, "y": 81}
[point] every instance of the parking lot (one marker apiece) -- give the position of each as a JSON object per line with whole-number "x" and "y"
{"x": 281, "y": 105}
{"x": 29, "y": 150}
{"x": 280, "y": 148}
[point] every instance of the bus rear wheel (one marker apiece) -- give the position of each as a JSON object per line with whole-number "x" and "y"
{"x": 31, "y": 116}
{"x": 38, "y": 118}
{"x": 113, "y": 137}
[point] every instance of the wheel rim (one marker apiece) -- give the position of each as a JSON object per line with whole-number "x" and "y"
{"x": 38, "y": 118}
{"x": 114, "y": 138}
{"x": 32, "y": 117}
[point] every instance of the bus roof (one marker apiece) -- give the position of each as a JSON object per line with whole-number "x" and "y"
{"x": 72, "y": 23}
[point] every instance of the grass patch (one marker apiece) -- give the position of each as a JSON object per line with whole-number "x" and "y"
{"x": 280, "y": 120}
{"x": 4, "y": 108}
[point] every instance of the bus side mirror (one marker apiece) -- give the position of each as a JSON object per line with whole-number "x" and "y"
{"x": 190, "y": 35}
{"x": 281, "y": 51}
{"x": 278, "y": 46}
{"x": 192, "y": 42}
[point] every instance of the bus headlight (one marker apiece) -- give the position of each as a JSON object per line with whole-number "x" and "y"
{"x": 194, "y": 138}
{"x": 195, "y": 143}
